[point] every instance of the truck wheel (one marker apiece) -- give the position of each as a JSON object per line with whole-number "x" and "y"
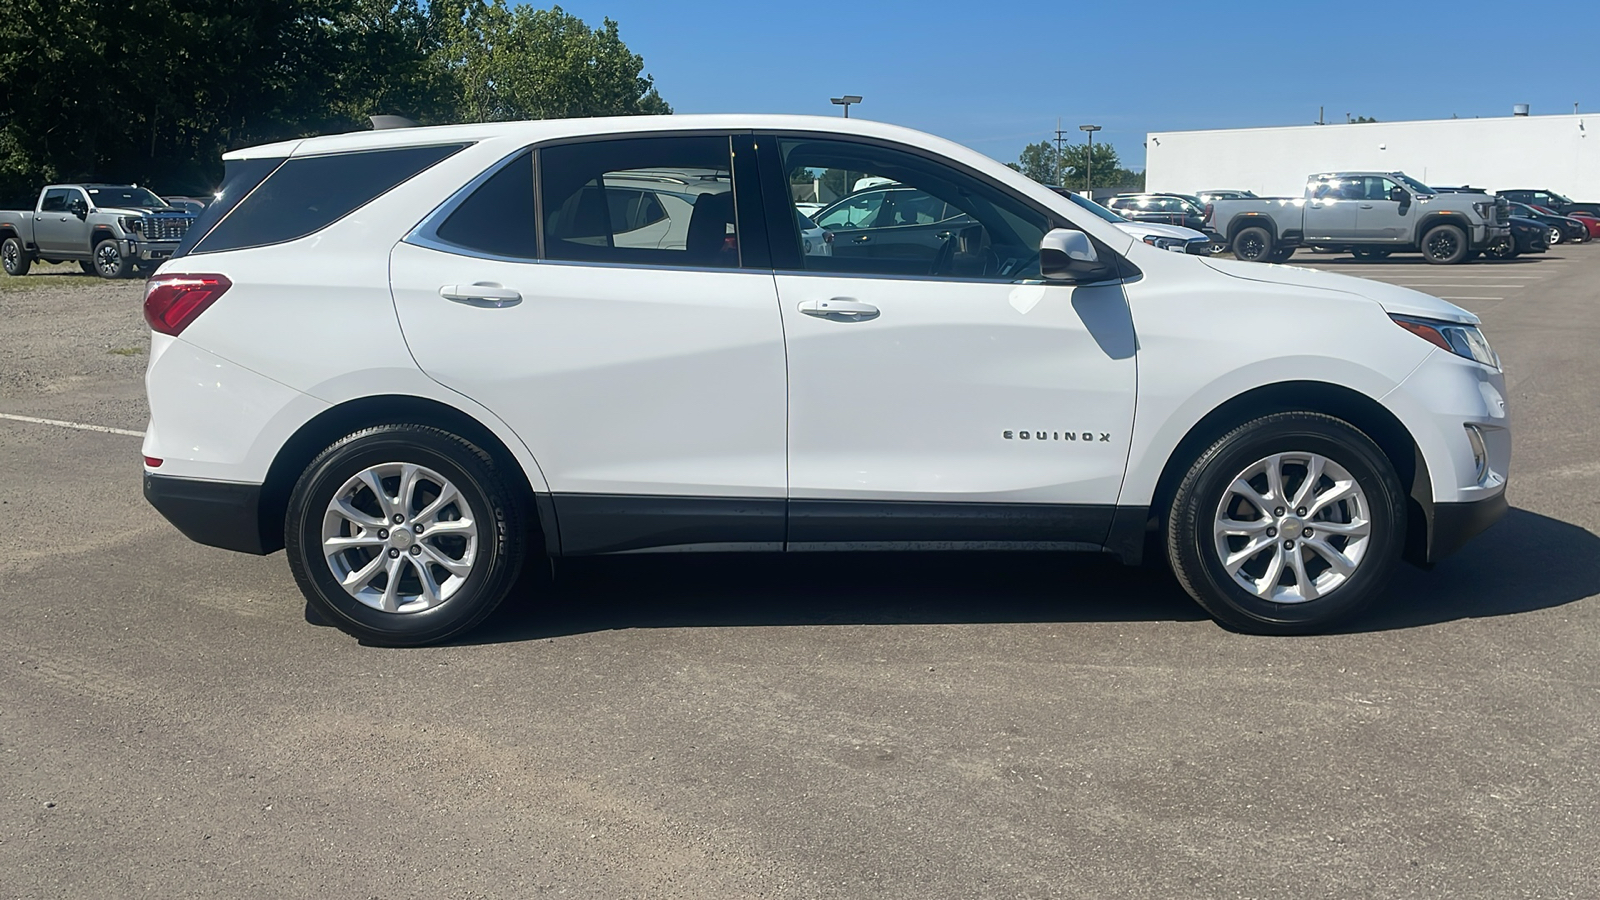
{"x": 1371, "y": 254}
{"x": 1444, "y": 245}
{"x": 404, "y": 535}
{"x": 1287, "y": 524}
{"x": 1281, "y": 254}
{"x": 109, "y": 261}
{"x": 1253, "y": 244}
{"x": 14, "y": 258}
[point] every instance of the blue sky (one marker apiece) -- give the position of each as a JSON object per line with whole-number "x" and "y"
{"x": 995, "y": 75}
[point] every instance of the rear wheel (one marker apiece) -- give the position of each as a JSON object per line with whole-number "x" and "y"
{"x": 14, "y": 257}
{"x": 403, "y": 535}
{"x": 87, "y": 267}
{"x": 1287, "y": 524}
{"x": 1253, "y": 244}
{"x": 1371, "y": 254}
{"x": 1553, "y": 236}
{"x": 109, "y": 261}
{"x": 1444, "y": 245}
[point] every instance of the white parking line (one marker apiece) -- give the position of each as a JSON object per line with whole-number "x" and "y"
{"x": 78, "y": 425}
{"x": 1471, "y": 298}
{"x": 1452, "y": 284}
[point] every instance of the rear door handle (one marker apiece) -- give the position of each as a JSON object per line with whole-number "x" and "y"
{"x": 484, "y": 293}
{"x": 863, "y": 238}
{"x": 1366, "y": 206}
{"x": 840, "y": 309}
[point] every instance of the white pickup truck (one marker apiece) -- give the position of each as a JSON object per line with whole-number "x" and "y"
{"x": 111, "y": 230}
{"x": 1370, "y": 214}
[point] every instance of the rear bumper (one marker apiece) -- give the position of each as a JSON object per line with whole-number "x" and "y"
{"x": 215, "y": 513}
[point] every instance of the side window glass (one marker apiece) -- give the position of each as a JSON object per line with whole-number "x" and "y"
{"x": 497, "y": 218}
{"x": 655, "y": 201}
{"x": 1384, "y": 189}
{"x": 892, "y": 212}
{"x": 54, "y": 201}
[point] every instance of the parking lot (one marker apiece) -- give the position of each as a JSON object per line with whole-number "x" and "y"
{"x": 935, "y": 726}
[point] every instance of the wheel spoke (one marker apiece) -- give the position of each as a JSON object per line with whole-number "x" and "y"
{"x": 1275, "y": 479}
{"x": 339, "y": 544}
{"x": 447, "y": 495}
{"x": 1308, "y": 488}
{"x": 1251, "y": 551}
{"x": 1342, "y": 490}
{"x": 363, "y": 576}
{"x": 1297, "y": 562}
{"x": 1357, "y": 528}
{"x": 341, "y": 506}
{"x": 430, "y": 585}
{"x": 1229, "y": 527}
{"x": 409, "y": 476}
{"x": 1268, "y": 583}
{"x": 391, "y": 591}
{"x": 1339, "y": 563}
{"x": 458, "y": 567}
{"x": 370, "y": 479}
{"x": 1243, "y": 489}
{"x": 439, "y": 529}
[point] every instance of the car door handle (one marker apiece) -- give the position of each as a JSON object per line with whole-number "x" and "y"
{"x": 484, "y": 293}
{"x": 863, "y": 238}
{"x": 1366, "y": 206}
{"x": 840, "y": 309}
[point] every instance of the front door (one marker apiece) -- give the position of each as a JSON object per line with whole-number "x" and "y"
{"x": 1384, "y": 214}
{"x": 58, "y": 229}
{"x": 949, "y": 399}
{"x": 637, "y": 359}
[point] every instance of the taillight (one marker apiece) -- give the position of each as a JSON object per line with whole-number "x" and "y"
{"x": 171, "y": 302}
{"x": 1209, "y": 209}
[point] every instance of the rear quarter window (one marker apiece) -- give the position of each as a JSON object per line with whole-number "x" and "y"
{"x": 307, "y": 194}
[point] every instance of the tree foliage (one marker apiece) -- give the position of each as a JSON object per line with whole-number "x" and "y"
{"x": 156, "y": 90}
{"x": 1071, "y": 169}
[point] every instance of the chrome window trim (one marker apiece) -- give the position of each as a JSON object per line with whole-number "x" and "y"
{"x": 425, "y": 234}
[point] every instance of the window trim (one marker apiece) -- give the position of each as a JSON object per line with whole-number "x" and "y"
{"x": 779, "y": 227}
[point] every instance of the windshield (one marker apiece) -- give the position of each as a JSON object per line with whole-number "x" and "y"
{"x": 1095, "y": 208}
{"x": 125, "y": 196}
{"x": 1558, "y": 198}
{"x": 1414, "y": 184}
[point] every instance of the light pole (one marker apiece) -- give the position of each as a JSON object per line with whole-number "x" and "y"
{"x": 1088, "y": 175}
{"x": 845, "y": 102}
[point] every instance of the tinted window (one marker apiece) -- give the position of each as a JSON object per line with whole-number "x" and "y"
{"x": 498, "y": 217}
{"x": 55, "y": 200}
{"x": 310, "y": 193}
{"x": 657, "y": 201}
{"x": 125, "y": 197}
{"x": 933, "y": 221}
{"x": 240, "y": 177}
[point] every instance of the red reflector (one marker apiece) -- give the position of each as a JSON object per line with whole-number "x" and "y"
{"x": 152, "y": 462}
{"x": 171, "y": 302}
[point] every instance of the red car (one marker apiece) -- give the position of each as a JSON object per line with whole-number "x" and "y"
{"x": 1589, "y": 220}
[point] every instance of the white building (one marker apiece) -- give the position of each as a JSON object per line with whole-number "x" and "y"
{"x": 1553, "y": 152}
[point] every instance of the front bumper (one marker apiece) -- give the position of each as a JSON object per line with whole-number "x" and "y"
{"x": 1451, "y": 525}
{"x": 1485, "y": 235}
{"x": 216, "y": 513}
{"x": 147, "y": 251}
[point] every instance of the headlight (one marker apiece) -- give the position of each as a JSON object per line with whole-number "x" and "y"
{"x": 1482, "y": 209}
{"x": 1160, "y": 242}
{"x": 1462, "y": 340}
{"x": 130, "y": 223}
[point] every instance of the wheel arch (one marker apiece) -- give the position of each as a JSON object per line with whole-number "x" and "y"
{"x": 1366, "y": 414}
{"x": 1443, "y": 218}
{"x": 98, "y": 234}
{"x": 317, "y": 433}
{"x": 1251, "y": 220}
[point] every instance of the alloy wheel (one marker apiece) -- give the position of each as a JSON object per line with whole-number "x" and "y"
{"x": 1442, "y": 244}
{"x": 108, "y": 258}
{"x": 1292, "y": 527}
{"x": 10, "y": 255}
{"x": 400, "y": 538}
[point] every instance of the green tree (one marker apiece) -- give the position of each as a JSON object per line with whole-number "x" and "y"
{"x": 1040, "y": 162}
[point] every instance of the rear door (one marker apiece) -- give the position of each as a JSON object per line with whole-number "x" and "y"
{"x": 1331, "y": 209}
{"x": 639, "y": 354}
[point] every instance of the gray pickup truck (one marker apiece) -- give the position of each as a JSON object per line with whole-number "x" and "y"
{"x": 1370, "y": 214}
{"x": 109, "y": 229}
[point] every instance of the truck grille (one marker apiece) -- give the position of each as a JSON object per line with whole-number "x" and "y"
{"x": 165, "y": 228}
{"x": 1502, "y": 211}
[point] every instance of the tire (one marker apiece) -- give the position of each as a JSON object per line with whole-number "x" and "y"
{"x": 1281, "y": 254}
{"x": 1208, "y": 498}
{"x": 14, "y": 257}
{"x": 87, "y": 267}
{"x": 1371, "y": 254}
{"x": 1444, "y": 245}
{"x": 1554, "y": 236}
{"x": 1253, "y": 244}
{"x": 485, "y": 556}
{"x": 109, "y": 261}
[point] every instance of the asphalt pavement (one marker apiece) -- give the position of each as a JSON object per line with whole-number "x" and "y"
{"x": 874, "y": 726}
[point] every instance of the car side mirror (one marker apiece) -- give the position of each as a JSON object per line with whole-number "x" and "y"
{"x": 1067, "y": 255}
{"x": 78, "y": 208}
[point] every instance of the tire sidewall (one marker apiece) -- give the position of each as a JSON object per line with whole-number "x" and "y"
{"x": 14, "y": 244}
{"x": 1194, "y": 541}
{"x": 1461, "y": 245}
{"x": 493, "y": 572}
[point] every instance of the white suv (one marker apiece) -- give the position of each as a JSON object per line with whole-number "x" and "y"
{"x": 414, "y": 358}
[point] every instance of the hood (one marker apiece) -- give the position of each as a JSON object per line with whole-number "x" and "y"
{"x": 1141, "y": 230}
{"x": 141, "y": 211}
{"x": 1394, "y": 299}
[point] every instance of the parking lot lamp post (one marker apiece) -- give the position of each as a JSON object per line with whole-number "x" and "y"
{"x": 1088, "y": 175}
{"x": 845, "y": 102}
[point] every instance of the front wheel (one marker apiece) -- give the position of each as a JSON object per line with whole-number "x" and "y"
{"x": 109, "y": 261}
{"x": 1553, "y": 236}
{"x": 1444, "y": 245}
{"x": 403, "y": 535}
{"x": 1287, "y": 524}
{"x": 14, "y": 257}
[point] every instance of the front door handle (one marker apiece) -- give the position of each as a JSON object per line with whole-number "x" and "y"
{"x": 840, "y": 309}
{"x": 484, "y": 293}
{"x": 1366, "y": 206}
{"x": 864, "y": 238}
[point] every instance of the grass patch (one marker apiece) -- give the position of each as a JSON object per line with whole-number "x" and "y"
{"x": 125, "y": 351}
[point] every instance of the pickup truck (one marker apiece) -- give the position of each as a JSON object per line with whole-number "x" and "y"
{"x": 1370, "y": 214}
{"x": 1549, "y": 200}
{"x": 110, "y": 229}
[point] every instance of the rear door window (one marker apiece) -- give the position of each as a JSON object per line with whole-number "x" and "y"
{"x": 666, "y": 201}
{"x": 497, "y": 219}
{"x": 307, "y": 194}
